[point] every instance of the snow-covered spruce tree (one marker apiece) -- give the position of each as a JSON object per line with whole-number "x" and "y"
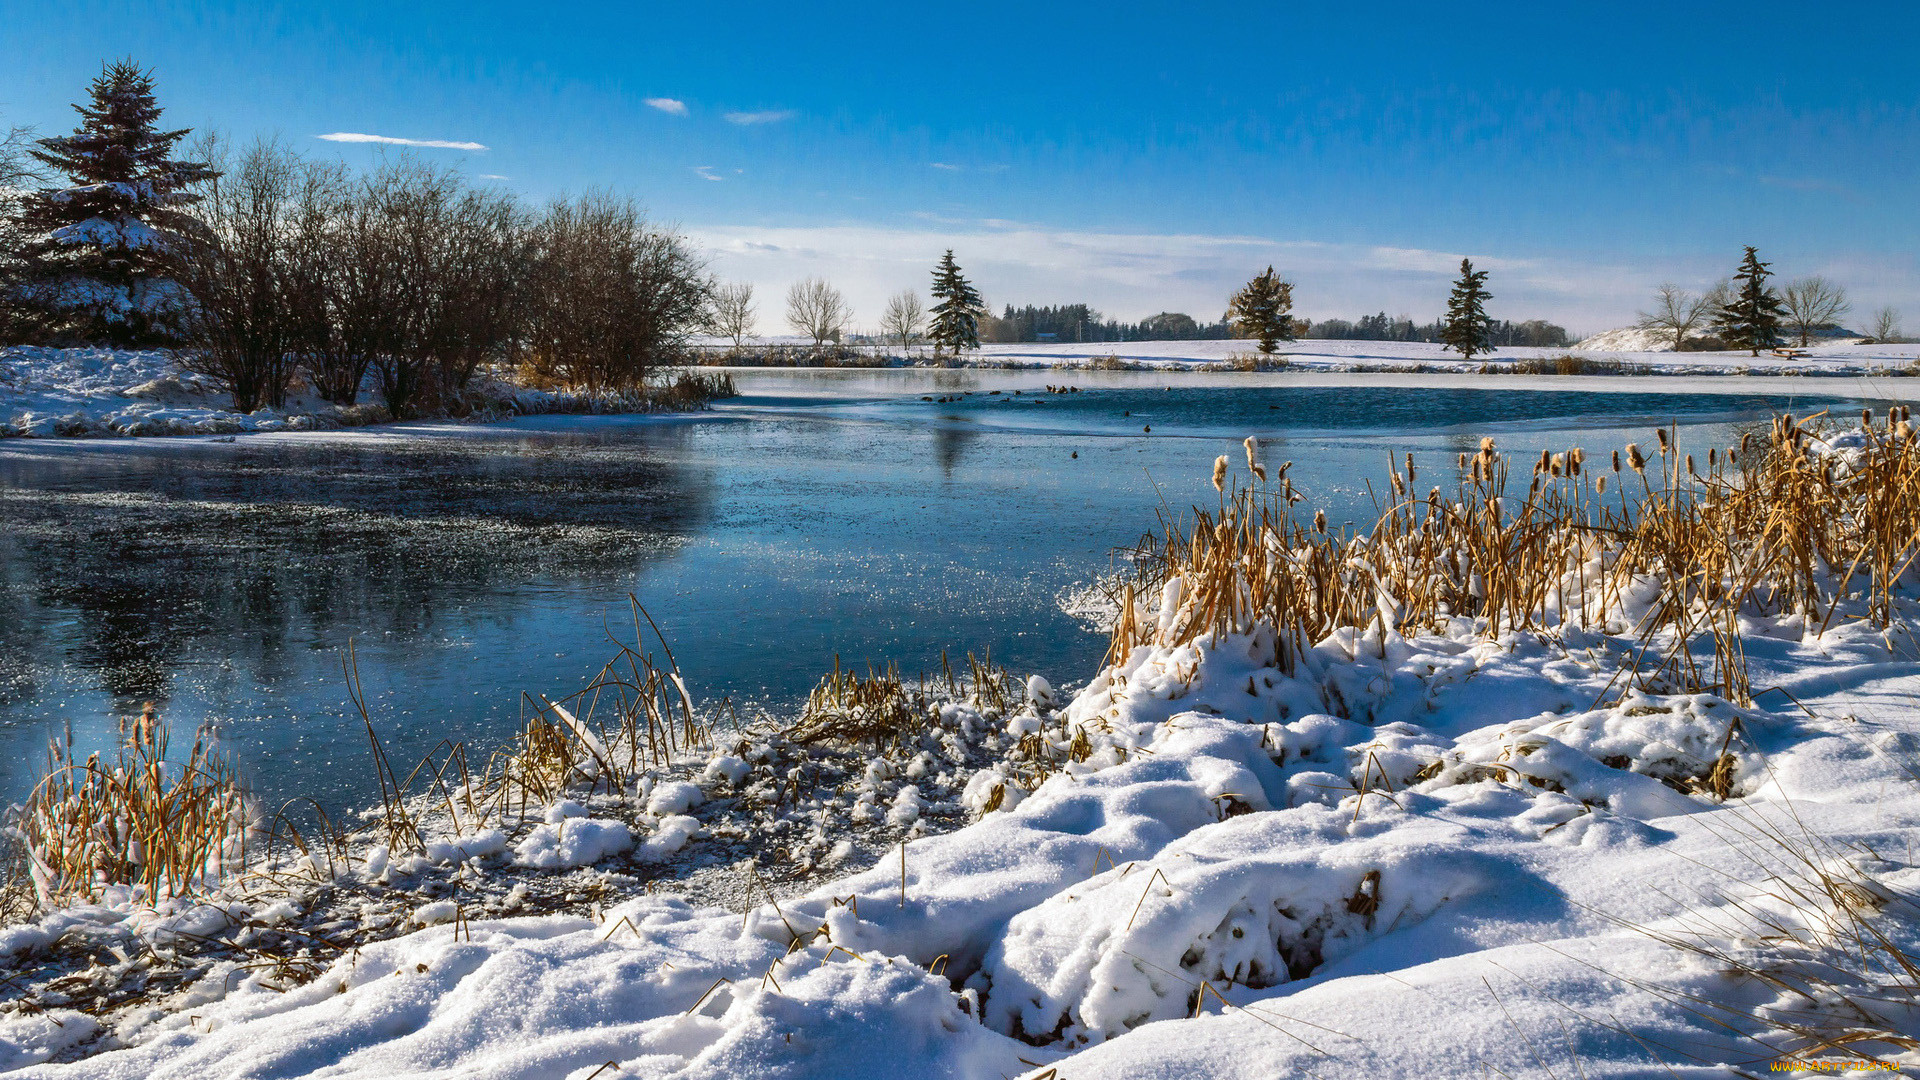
{"x": 1750, "y": 318}
{"x": 1263, "y": 309}
{"x": 956, "y": 311}
{"x": 95, "y": 267}
{"x": 1468, "y": 331}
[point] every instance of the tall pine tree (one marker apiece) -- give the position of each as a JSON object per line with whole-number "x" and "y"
{"x": 95, "y": 259}
{"x": 1263, "y": 310}
{"x": 956, "y": 311}
{"x": 1468, "y": 331}
{"x": 1751, "y": 317}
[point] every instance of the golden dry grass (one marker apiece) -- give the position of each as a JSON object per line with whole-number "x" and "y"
{"x": 136, "y": 818}
{"x": 1661, "y": 546}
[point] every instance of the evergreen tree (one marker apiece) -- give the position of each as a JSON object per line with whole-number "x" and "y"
{"x": 1263, "y": 309}
{"x": 96, "y": 251}
{"x": 956, "y": 311}
{"x": 1751, "y": 318}
{"x": 1468, "y": 331}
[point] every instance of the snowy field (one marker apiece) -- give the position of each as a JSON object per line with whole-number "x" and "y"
{"x": 1626, "y": 347}
{"x": 1463, "y": 853}
{"x": 1390, "y": 355}
{"x": 93, "y": 392}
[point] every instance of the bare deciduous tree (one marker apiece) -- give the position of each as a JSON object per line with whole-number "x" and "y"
{"x": 903, "y": 318}
{"x": 733, "y": 312}
{"x": 1813, "y": 303}
{"x": 614, "y": 298}
{"x": 817, "y": 309}
{"x": 241, "y": 273}
{"x": 1677, "y": 312}
{"x": 1886, "y": 326}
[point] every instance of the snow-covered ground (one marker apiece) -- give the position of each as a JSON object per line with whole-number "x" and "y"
{"x": 1358, "y": 910}
{"x": 69, "y": 392}
{"x": 1313, "y": 355}
{"x": 1463, "y": 853}
{"x": 1634, "y": 348}
{"x": 103, "y": 392}
{"x": 47, "y": 392}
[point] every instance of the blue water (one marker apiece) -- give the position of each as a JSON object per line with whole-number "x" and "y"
{"x": 823, "y": 514}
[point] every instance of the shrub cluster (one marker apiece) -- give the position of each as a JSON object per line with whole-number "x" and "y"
{"x": 410, "y": 276}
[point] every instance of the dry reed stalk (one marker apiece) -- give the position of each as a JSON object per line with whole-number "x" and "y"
{"x": 1788, "y": 526}
{"x": 167, "y": 828}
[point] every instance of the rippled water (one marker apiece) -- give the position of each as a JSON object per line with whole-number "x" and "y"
{"x": 822, "y": 514}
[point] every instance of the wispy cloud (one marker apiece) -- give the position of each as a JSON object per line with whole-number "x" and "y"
{"x": 389, "y": 140}
{"x": 705, "y": 172}
{"x": 769, "y": 116}
{"x": 944, "y": 165}
{"x": 494, "y": 176}
{"x": 671, "y": 106}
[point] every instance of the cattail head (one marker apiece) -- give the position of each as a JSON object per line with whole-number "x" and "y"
{"x": 1557, "y": 464}
{"x": 1220, "y": 473}
{"x": 1320, "y": 521}
{"x": 1616, "y": 461}
{"x": 1600, "y": 484}
{"x": 1635, "y": 458}
{"x": 1690, "y": 469}
{"x": 1260, "y": 471}
{"x": 1409, "y": 470}
{"x": 1249, "y": 446}
{"x": 1661, "y": 434}
{"x": 1463, "y": 462}
{"x": 1866, "y": 418}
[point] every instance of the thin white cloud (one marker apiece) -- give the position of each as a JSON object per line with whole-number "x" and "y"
{"x": 705, "y": 172}
{"x": 768, "y": 116}
{"x": 388, "y": 140}
{"x": 944, "y": 165}
{"x": 493, "y": 176}
{"x": 670, "y": 106}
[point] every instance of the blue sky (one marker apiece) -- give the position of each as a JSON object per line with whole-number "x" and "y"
{"x": 1137, "y": 157}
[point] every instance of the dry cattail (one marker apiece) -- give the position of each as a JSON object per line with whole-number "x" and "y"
{"x": 1616, "y": 461}
{"x": 1635, "y": 458}
{"x": 1557, "y": 464}
{"x": 1600, "y": 484}
{"x": 1661, "y": 434}
{"x": 1250, "y": 461}
{"x": 1409, "y": 470}
{"x": 1220, "y": 473}
{"x": 1320, "y": 521}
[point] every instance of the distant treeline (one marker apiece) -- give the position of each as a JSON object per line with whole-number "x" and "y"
{"x": 1537, "y": 333}
{"x": 1081, "y": 324}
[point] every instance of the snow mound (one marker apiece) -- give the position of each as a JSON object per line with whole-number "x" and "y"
{"x": 1628, "y": 339}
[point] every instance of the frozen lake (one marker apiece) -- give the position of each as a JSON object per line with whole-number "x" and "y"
{"x": 823, "y": 513}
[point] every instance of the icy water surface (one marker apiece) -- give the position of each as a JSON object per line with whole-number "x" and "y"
{"x": 822, "y": 514}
